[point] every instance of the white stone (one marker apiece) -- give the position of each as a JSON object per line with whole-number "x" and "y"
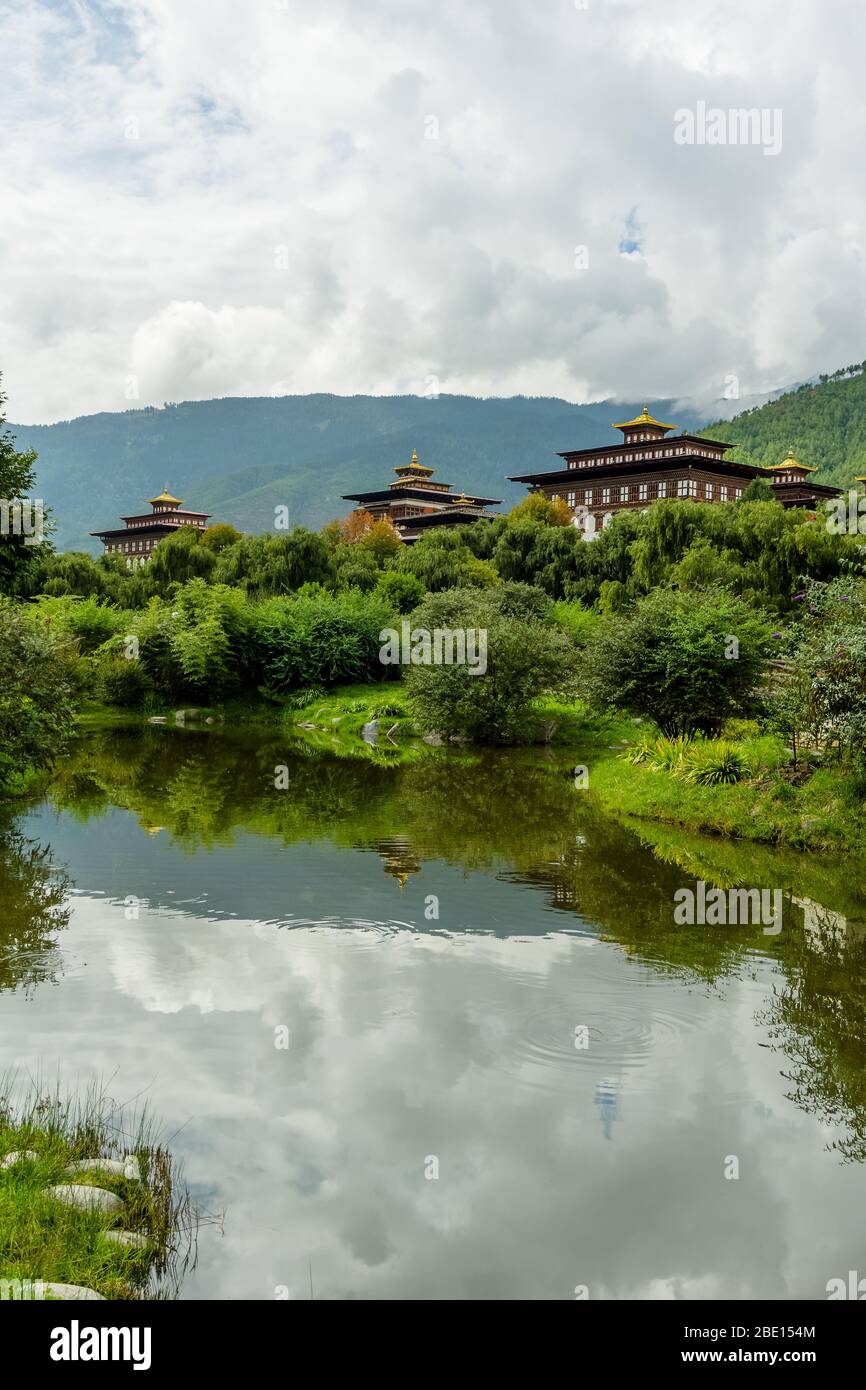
{"x": 19, "y": 1156}
{"x": 87, "y": 1198}
{"x": 72, "y": 1291}
{"x": 133, "y": 1240}
{"x": 120, "y": 1167}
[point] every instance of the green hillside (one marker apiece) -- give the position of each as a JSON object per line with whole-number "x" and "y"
{"x": 240, "y": 457}
{"x": 823, "y": 422}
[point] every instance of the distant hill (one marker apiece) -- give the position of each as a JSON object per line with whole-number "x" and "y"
{"x": 823, "y": 421}
{"x": 240, "y": 457}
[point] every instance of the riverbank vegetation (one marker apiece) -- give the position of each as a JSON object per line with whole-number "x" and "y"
{"x": 687, "y": 619}
{"x": 132, "y": 1243}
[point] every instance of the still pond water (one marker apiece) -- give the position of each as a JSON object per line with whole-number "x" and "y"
{"x": 436, "y": 1127}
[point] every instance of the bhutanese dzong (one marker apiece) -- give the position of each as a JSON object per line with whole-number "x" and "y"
{"x": 648, "y": 465}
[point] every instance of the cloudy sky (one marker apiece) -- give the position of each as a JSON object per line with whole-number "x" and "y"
{"x": 214, "y": 198}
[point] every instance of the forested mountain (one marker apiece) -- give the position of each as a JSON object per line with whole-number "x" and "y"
{"x": 824, "y": 422}
{"x": 239, "y": 457}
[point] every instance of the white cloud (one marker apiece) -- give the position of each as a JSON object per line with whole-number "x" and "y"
{"x": 156, "y": 156}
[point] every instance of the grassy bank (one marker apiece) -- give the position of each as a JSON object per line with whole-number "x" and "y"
{"x": 44, "y": 1143}
{"x": 345, "y": 710}
{"x": 823, "y": 811}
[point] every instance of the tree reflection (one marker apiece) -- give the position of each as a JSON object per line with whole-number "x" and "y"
{"x": 818, "y": 1019}
{"x": 517, "y": 815}
{"x": 33, "y": 908}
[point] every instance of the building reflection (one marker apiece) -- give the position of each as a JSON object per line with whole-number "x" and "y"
{"x": 399, "y": 859}
{"x": 607, "y": 1100}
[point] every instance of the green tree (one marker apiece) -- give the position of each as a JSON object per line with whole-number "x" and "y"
{"x": 403, "y": 591}
{"x": 687, "y": 661}
{"x": 267, "y": 565}
{"x": 177, "y": 559}
{"x": 525, "y": 656}
{"x": 20, "y": 562}
{"x": 759, "y": 490}
{"x": 36, "y": 696}
{"x": 821, "y": 698}
{"x": 219, "y": 536}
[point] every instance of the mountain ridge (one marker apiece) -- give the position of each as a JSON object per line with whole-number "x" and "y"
{"x": 240, "y": 457}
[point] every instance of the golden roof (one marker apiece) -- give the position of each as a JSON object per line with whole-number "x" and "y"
{"x": 414, "y": 466}
{"x": 790, "y": 462}
{"x": 643, "y": 419}
{"x": 462, "y": 500}
{"x": 165, "y": 497}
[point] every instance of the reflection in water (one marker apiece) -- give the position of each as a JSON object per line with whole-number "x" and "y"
{"x": 608, "y": 1105}
{"x": 399, "y": 859}
{"x": 453, "y": 1037}
{"x": 33, "y": 892}
{"x": 817, "y": 1018}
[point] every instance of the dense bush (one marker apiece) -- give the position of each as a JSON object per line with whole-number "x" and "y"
{"x": 821, "y": 698}
{"x": 401, "y": 590}
{"x": 87, "y": 621}
{"x": 687, "y": 661}
{"x": 321, "y": 641}
{"x": 36, "y": 695}
{"x": 526, "y": 656}
{"x": 266, "y": 565}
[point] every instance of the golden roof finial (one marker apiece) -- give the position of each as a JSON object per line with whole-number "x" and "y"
{"x": 643, "y": 419}
{"x": 789, "y": 461}
{"x": 166, "y": 498}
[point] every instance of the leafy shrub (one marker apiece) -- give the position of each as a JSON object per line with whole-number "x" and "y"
{"x": 36, "y": 695}
{"x": 88, "y": 621}
{"x": 764, "y": 753}
{"x": 307, "y": 695}
{"x": 124, "y": 682}
{"x": 320, "y": 642}
{"x": 389, "y": 710}
{"x": 526, "y": 657}
{"x": 579, "y": 622}
{"x": 402, "y": 590}
{"x": 670, "y": 658}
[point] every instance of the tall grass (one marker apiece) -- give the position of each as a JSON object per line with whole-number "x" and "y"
{"x": 43, "y": 1240}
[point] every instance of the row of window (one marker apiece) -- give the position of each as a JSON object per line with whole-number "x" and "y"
{"x": 673, "y": 451}
{"x": 647, "y": 492}
{"x": 147, "y": 520}
{"x": 130, "y": 545}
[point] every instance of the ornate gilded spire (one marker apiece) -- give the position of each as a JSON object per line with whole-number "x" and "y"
{"x": 415, "y": 468}
{"x": 643, "y": 419}
{"x": 165, "y": 499}
{"x": 790, "y": 462}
